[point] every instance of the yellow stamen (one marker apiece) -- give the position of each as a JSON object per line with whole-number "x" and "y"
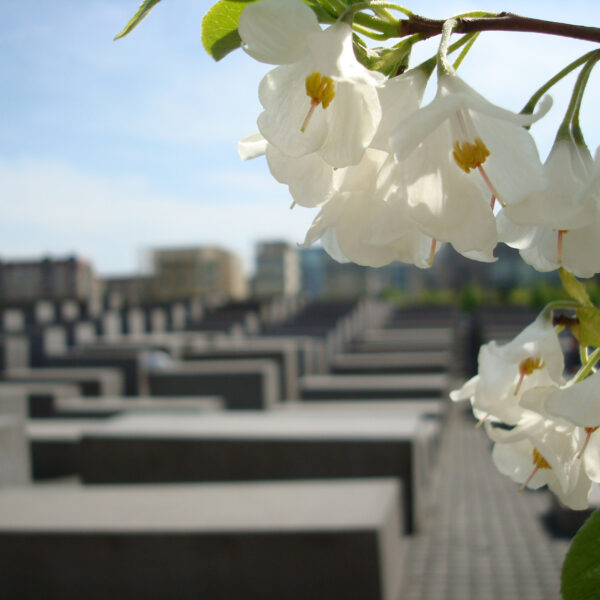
{"x": 588, "y": 431}
{"x": 527, "y": 367}
{"x": 559, "y": 247}
{"x": 469, "y": 156}
{"x": 539, "y": 462}
{"x": 321, "y": 90}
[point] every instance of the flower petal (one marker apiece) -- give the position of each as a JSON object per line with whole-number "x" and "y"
{"x": 282, "y": 92}
{"x": 252, "y": 146}
{"x": 275, "y": 31}
{"x": 310, "y": 179}
{"x": 578, "y": 403}
{"x": 399, "y": 97}
{"x": 352, "y": 123}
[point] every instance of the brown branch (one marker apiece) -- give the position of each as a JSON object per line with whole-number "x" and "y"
{"x": 503, "y": 22}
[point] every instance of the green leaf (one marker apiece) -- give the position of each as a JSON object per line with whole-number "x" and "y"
{"x": 589, "y": 326}
{"x": 580, "y": 578}
{"x": 389, "y": 61}
{"x": 142, "y": 12}
{"x": 574, "y": 288}
{"x": 219, "y": 27}
{"x": 323, "y": 15}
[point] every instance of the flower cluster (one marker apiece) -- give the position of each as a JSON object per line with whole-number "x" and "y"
{"x": 543, "y": 426}
{"x": 393, "y": 179}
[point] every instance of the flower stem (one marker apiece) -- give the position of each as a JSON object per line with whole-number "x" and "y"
{"x": 583, "y": 354}
{"x": 531, "y": 104}
{"x": 575, "y": 126}
{"x": 429, "y": 65}
{"x": 375, "y": 23}
{"x": 586, "y": 369}
{"x": 379, "y": 7}
{"x": 444, "y": 66}
{"x": 564, "y": 131}
{"x": 546, "y": 312}
{"x": 465, "y": 51}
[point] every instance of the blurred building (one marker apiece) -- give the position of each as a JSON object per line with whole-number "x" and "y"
{"x": 49, "y": 279}
{"x": 129, "y": 290}
{"x": 277, "y": 270}
{"x": 453, "y": 271}
{"x": 206, "y": 272}
{"x": 324, "y": 277}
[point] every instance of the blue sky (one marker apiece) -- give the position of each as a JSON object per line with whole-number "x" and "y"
{"x": 108, "y": 148}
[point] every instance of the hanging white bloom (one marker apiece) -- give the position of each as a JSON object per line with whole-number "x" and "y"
{"x": 310, "y": 180}
{"x": 561, "y": 225}
{"x": 540, "y": 452}
{"x": 359, "y": 224}
{"x": 399, "y": 98}
{"x": 533, "y": 359}
{"x": 321, "y": 99}
{"x": 466, "y": 154}
{"x": 579, "y": 405}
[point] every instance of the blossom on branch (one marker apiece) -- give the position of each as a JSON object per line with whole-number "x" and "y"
{"x": 360, "y": 223}
{"x": 506, "y": 372}
{"x": 540, "y": 452}
{"x": 321, "y": 99}
{"x": 560, "y": 226}
{"x": 465, "y": 154}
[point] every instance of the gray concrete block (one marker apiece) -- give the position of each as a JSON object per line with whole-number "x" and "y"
{"x": 14, "y": 452}
{"x": 268, "y": 541}
{"x": 14, "y": 352}
{"x": 390, "y": 362}
{"x": 55, "y": 446}
{"x": 283, "y": 353}
{"x": 243, "y": 384}
{"x": 88, "y": 408}
{"x": 93, "y": 381}
{"x": 13, "y": 320}
{"x": 45, "y": 311}
{"x": 364, "y": 387}
{"x": 33, "y": 399}
{"x": 250, "y": 446}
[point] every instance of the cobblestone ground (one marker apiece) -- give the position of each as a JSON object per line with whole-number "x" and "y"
{"x": 484, "y": 541}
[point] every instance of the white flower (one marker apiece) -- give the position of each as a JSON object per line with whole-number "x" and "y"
{"x": 533, "y": 359}
{"x": 399, "y": 98}
{"x": 561, "y": 225}
{"x": 542, "y": 452}
{"x": 579, "y": 405}
{"x": 465, "y": 153}
{"x": 311, "y": 181}
{"x": 321, "y": 99}
{"x": 359, "y": 224}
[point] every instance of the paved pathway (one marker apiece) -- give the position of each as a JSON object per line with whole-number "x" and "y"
{"x": 484, "y": 541}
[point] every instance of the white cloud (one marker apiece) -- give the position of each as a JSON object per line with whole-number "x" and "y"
{"x": 51, "y": 207}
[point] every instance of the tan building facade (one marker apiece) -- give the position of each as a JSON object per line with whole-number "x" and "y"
{"x": 206, "y": 272}
{"x": 49, "y": 279}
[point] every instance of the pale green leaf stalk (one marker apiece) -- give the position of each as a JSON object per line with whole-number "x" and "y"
{"x": 140, "y": 15}
{"x": 589, "y": 326}
{"x": 532, "y": 103}
{"x": 574, "y": 288}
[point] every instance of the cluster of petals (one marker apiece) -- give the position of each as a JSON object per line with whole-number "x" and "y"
{"x": 394, "y": 180}
{"x": 436, "y": 173}
{"x": 543, "y": 428}
{"x": 560, "y": 225}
